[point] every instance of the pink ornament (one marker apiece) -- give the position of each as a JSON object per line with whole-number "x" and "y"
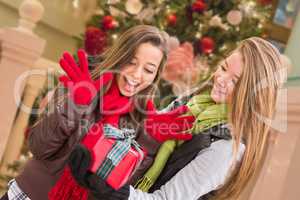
{"x": 234, "y": 17}
{"x": 181, "y": 69}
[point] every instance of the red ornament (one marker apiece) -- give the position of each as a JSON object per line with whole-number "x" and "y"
{"x": 109, "y": 23}
{"x": 265, "y": 2}
{"x": 207, "y": 45}
{"x": 199, "y": 6}
{"x": 172, "y": 19}
{"x": 95, "y": 41}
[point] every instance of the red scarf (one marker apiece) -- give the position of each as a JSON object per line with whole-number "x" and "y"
{"x": 112, "y": 105}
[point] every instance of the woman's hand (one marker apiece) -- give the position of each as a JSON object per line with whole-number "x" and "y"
{"x": 78, "y": 80}
{"x": 168, "y": 126}
{"x": 79, "y": 163}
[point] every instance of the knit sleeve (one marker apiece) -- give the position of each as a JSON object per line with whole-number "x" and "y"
{"x": 204, "y": 174}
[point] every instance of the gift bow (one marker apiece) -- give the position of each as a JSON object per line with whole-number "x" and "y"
{"x": 125, "y": 139}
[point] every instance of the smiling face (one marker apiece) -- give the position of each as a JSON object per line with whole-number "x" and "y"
{"x": 141, "y": 71}
{"x": 226, "y": 77}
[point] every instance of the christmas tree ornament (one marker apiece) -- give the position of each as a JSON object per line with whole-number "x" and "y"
{"x": 234, "y": 17}
{"x": 180, "y": 68}
{"x": 207, "y": 45}
{"x": 133, "y": 7}
{"x": 199, "y": 6}
{"x": 172, "y": 19}
{"x": 109, "y": 23}
{"x": 95, "y": 40}
{"x": 216, "y": 21}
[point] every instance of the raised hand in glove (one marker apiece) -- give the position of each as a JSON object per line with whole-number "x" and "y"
{"x": 169, "y": 125}
{"x": 79, "y": 163}
{"x": 82, "y": 88}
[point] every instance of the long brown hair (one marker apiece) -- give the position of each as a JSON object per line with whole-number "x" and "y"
{"x": 120, "y": 54}
{"x": 123, "y": 51}
{"x": 252, "y": 108}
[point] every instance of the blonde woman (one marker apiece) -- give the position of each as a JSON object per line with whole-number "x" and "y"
{"x": 247, "y": 81}
{"x": 231, "y": 131}
{"x": 116, "y": 93}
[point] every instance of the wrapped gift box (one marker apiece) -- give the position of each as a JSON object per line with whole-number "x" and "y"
{"x": 102, "y": 144}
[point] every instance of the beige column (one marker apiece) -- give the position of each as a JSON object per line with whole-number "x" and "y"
{"x": 21, "y": 48}
{"x": 33, "y": 87}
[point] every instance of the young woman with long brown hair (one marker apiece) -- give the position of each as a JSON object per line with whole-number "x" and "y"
{"x": 116, "y": 93}
{"x": 228, "y": 144}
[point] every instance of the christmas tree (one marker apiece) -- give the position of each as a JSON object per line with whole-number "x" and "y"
{"x": 213, "y": 27}
{"x": 207, "y": 31}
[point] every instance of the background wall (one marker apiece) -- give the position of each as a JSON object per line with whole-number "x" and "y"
{"x": 293, "y": 50}
{"x": 57, "y": 25}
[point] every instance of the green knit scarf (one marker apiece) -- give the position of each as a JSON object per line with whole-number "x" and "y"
{"x": 207, "y": 113}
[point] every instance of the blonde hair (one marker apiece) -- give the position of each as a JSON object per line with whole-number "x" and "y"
{"x": 253, "y": 106}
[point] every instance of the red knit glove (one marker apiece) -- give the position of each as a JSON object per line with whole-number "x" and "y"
{"x": 82, "y": 88}
{"x": 168, "y": 126}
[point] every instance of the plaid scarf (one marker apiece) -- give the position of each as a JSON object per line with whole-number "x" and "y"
{"x": 207, "y": 114}
{"x": 66, "y": 188}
